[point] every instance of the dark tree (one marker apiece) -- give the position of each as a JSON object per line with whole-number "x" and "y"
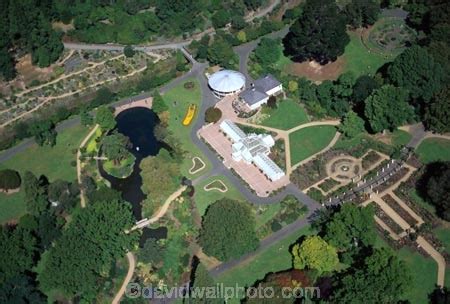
{"x": 228, "y": 230}
{"x": 202, "y": 279}
{"x": 381, "y": 278}
{"x": 272, "y": 102}
{"x": 363, "y": 87}
{"x": 416, "y": 71}
{"x": 7, "y": 69}
{"x": 213, "y": 115}
{"x": 253, "y": 4}
{"x": 21, "y": 289}
{"x": 387, "y": 108}
{"x": 44, "y": 132}
{"x": 319, "y": 34}
{"x": 362, "y": 12}
{"x": 9, "y": 179}
{"x": 440, "y": 296}
{"x": 35, "y": 194}
{"x": 437, "y": 113}
{"x": 152, "y": 252}
{"x": 437, "y": 188}
{"x": 128, "y": 51}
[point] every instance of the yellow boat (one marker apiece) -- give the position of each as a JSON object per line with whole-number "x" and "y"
{"x": 189, "y": 114}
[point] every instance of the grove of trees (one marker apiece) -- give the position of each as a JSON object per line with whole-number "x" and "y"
{"x": 318, "y": 34}
{"x": 228, "y": 230}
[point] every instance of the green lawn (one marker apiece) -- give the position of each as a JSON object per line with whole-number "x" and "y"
{"x": 424, "y": 272}
{"x": 276, "y": 258}
{"x": 443, "y": 234}
{"x": 434, "y": 149}
{"x": 178, "y": 100}
{"x": 308, "y": 141}
{"x": 53, "y": 162}
{"x": 204, "y": 198}
{"x": 359, "y": 60}
{"x": 12, "y": 206}
{"x": 400, "y": 138}
{"x": 422, "y": 269}
{"x": 265, "y": 213}
{"x": 289, "y": 114}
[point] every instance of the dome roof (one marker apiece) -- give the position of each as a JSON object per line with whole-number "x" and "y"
{"x": 226, "y": 81}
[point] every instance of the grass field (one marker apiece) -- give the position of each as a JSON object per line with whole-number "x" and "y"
{"x": 359, "y": 60}
{"x": 289, "y": 114}
{"x": 422, "y": 269}
{"x": 178, "y": 100}
{"x": 308, "y": 141}
{"x": 12, "y": 206}
{"x": 204, "y": 198}
{"x": 275, "y": 258}
{"x": 424, "y": 272}
{"x": 53, "y": 162}
{"x": 434, "y": 149}
{"x": 400, "y": 137}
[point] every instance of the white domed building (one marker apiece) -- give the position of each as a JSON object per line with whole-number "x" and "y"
{"x": 226, "y": 82}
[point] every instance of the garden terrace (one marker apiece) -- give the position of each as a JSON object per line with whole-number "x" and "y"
{"x": 328, "y": 184}
{"x": 289, "y": 210}
{"x": 387, "y": 220}
{"x": 370, "y": 159}
{"x": 109, "y": 71}
{"x": 400, "y": 211}
{"x": 392, "y": 180}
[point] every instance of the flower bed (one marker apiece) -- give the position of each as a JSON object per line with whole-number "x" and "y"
{"x": 328, "y": 184}
{"x": 371, "y": 158}
{"x": 387, "y": 220}
{"x": 400, "y": 211}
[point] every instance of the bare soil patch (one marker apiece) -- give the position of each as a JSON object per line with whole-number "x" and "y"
{"x": 316, "y": 72}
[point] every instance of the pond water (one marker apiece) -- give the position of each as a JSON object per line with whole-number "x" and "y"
{"x": 138, "y": 124}
{"x": 156, "y": 233}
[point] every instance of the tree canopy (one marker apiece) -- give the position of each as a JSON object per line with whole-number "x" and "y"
{"x": 387, "y": 108}
{"x": 105, "y": 118}
{"x": 268, "y": 51}
{"x": 351, "y": 226}
{"x": 351, "y": 125}
{"x": 319, "y": 34}
{"x": 416, "y": 71}
{"x": 228, "y": 230}
{"x": 381, "y": 278}
{"x": 437, "y": 113}
{"x": 315, "y": 253}
{"x": 93, "y": 240}
{"x": 437, "y": 187}
{"x": 115, "y": 146}
{"x": 9, "y": 179}
{"x": 362, "y": 12}
{"x": 166, "y": 169}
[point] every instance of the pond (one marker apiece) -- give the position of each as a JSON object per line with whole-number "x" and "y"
{"x": 138, "y": 124}
{"x": 156, "y": 233}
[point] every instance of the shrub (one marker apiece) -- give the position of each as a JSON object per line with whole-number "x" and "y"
{"x": 9, "y": 179}
{"x": 213, "y": 115}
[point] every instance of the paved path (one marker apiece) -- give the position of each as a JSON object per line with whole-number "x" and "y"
{"x": 83, "y": 143}
{"x": 128, "y": 277}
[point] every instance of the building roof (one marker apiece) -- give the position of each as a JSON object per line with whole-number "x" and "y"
{"x": 252, "y": 96}
{"x": 266, "y": 83}
{"x": 226, "y": 81}
{"x": 233, "y": 131}
{"x": 268, "y": 166}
